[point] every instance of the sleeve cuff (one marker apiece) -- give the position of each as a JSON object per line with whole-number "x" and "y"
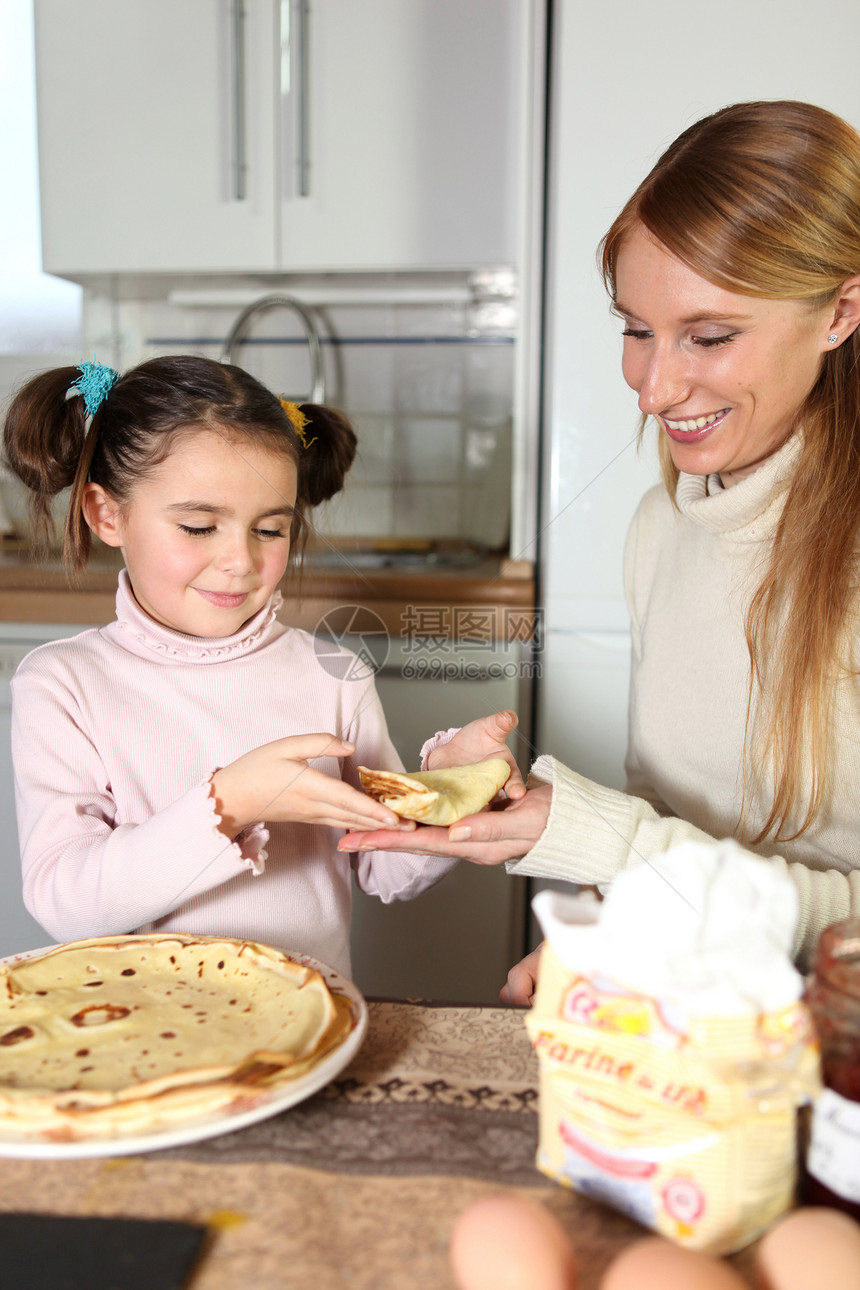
{"x": 589, "y": 832}
{"x": 252, "y": 845}
{"x": 249, "y": 845}
{"x": 441, "y": 737}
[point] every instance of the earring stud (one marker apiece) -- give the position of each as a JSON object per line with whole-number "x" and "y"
{"x": 833, "y": 338}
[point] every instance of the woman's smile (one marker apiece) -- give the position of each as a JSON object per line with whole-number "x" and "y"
{"x": 684, "y": 430}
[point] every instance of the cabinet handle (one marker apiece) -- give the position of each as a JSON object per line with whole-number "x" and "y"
{"x": 302, "y": 145}
{"x": 237, "y": 52}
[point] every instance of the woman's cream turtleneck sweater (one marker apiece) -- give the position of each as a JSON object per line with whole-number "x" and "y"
{"x": 690, "y": 571}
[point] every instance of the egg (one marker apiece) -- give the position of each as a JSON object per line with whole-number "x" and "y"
{"x": 655, "y": 1264}
{"x": 504, "y": 1243}
{"x": 810, "y": 1248}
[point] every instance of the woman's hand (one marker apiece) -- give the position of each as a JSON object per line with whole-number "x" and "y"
{"x": 522, "y": 978}
{"x": 482, "y": 740}
{"x": 274, "y": 782}
{"x": 507, "y": 832}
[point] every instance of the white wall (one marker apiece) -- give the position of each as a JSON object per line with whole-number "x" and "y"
{"x": 629, "y": 77}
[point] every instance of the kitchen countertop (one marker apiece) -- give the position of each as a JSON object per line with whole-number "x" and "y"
{"x": 490, "y": 598}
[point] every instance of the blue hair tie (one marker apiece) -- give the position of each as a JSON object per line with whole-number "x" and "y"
{"x": 94, "y": 384}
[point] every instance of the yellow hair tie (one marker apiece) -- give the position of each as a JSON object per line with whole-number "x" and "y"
{"x": 298, "y": 420}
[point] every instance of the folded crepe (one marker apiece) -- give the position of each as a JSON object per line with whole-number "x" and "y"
{"x": 437, "y": 796}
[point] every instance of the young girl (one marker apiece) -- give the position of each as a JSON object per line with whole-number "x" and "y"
{"x": 170, "y": 771}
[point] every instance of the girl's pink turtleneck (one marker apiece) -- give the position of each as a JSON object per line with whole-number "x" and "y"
{"x": 115, "y": 734}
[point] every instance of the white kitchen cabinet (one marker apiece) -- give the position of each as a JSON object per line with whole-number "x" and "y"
{"x": 221, "y": 136}
{"x": 457, "y": 941}
{"x": 136, "y": 108}
{"x": 411, "y": 127}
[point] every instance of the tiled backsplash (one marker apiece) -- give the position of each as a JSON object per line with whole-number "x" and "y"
{"x": 427, "y": 384}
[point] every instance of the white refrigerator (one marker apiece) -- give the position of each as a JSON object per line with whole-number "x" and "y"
{"x": 626, "y": 78}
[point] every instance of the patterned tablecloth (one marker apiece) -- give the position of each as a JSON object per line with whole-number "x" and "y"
{"x": 449, "y": 1090}
{"x": 358, "y": 1186}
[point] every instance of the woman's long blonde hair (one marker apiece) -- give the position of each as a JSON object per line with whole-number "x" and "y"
{"x": 763, "y": 199}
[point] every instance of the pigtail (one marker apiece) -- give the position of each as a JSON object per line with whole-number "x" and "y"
{"x": 329, "y": 446}
{"x": 44, "y": 439}
{"x": 135, "y": 421}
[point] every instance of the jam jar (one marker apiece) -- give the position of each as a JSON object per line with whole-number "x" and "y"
{"x": 833, "y": 995}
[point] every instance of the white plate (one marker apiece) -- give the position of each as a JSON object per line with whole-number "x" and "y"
{"x": 269, "y": 1101}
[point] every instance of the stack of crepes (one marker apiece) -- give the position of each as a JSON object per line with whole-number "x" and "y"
{"x": 135, "y": 1034}
{"x": 674, "y": 1046}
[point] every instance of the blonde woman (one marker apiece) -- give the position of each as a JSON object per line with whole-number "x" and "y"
{"x": 735, "y": 272}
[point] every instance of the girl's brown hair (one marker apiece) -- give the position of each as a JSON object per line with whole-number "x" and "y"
{"x": 763, "y": 199}
{"x": 49, "y": 445}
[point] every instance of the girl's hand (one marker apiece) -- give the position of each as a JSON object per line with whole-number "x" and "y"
{"x": 275, "y": 783}
{"x": 479, "y": 741}
{"x": 522, "y": 978}
{"x": 490, "y": 837}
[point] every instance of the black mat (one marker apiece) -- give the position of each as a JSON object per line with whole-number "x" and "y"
{"x": 43, "y": 1252}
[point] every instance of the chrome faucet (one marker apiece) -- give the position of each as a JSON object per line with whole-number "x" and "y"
{"x": 277, "y": 300}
